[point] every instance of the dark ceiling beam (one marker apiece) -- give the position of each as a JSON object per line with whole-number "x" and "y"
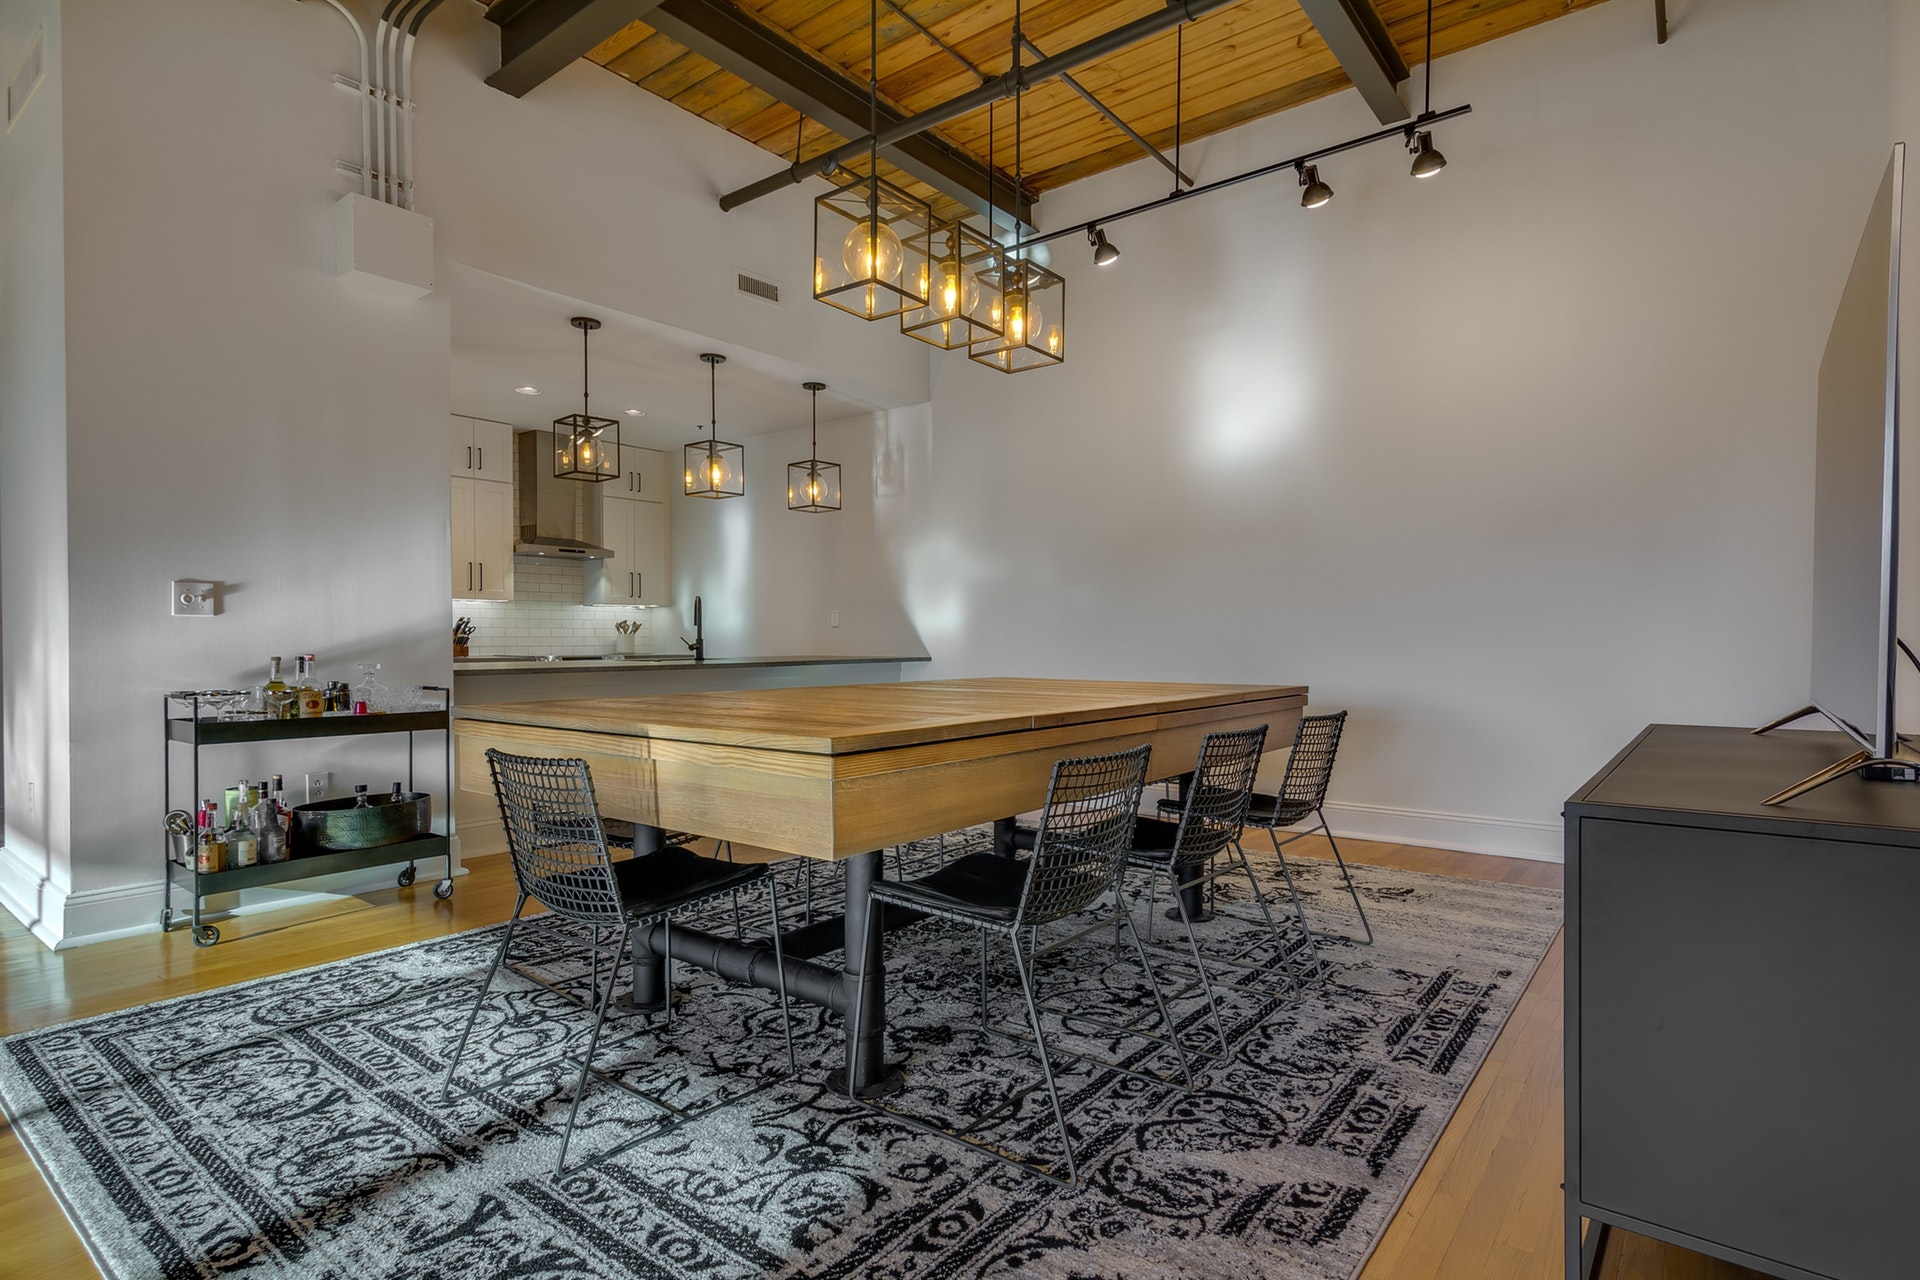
{"x": 727, "y": 37}
{"x": 538, "y": 37}
{"x": 1359, "y": 39}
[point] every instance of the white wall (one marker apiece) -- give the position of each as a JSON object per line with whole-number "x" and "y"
{"x": 1510, "y": 462}
{"x": 770, "y": 579}
{"x": 34, "y": 629}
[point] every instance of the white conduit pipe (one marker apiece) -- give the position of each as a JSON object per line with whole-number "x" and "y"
{"x": 366, "y": 123}
{"x": 387, "y": 141}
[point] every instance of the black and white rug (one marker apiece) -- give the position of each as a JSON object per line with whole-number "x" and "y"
{"x": 292, "y": 1126}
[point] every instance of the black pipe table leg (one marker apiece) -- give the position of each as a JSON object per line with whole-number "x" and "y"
{"x": 1003, "y": 837}
{"x": 866, "y": 1060}
{"x": 1193, "y": 896}
{"x": 647, "y": 987}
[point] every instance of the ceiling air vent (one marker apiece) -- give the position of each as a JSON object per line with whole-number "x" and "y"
{"x": 25, "y": 80}
{"x": 765, "y": 290}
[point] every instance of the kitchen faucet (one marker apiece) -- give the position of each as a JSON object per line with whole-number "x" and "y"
{"x": 699, "y": 643}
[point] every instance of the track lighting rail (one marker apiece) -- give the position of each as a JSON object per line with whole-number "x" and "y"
{"x": 1004, "y": 86}
{"x": 1422, "y": 122}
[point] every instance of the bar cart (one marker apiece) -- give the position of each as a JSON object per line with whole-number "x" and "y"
{"x": 186, "y": 726}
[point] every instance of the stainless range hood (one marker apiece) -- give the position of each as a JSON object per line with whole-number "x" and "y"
{"x": 559, "y": 518}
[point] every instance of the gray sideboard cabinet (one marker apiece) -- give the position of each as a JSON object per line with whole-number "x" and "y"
{"x": 1743, "y": 1007}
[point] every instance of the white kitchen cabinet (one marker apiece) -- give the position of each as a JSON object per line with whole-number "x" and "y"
{"x": 480, "y": 449}
{"x": 482, "y": 528}
{"x": 635, "y": 530}
{"x": 643, "y": 475}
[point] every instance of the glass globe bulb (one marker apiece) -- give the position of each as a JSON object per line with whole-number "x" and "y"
{"x": 871, "y": 251}
{"x": 959, "y": 289}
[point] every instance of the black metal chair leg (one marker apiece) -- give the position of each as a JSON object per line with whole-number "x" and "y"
{"x": 603, "y": 999}
{"x": 1281, "y": 950}
{"x": 1046, "y": 1064}
{"x": 1347, "y": 876}
{"x": 1193, "y": 946}
{"x": 666, "y": 965}
{"x": 983, "y": 979}
{"x": 1159, "y": 1001}
{"x": 499, "y": 959}
{"x": 780, "y": 974}
{"x": 1299, "y": 912}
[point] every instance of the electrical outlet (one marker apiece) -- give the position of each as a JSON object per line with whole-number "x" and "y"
{"x": 195, "y": 598}
{"x": 833, "y": 618}
{"x": 319, "y": 786}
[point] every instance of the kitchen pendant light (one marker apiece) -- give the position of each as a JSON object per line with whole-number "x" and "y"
{"x": 585, "y": 447}
{"x": 1031, "y": 323}
{"x": 715, "y": 468}
{"x": 813, "y": 485}
{"x": 870, "y": 238}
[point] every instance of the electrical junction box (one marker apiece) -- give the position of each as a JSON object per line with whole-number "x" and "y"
{"x": 383, "y": 245}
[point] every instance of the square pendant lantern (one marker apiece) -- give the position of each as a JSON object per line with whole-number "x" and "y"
{"x": 715, "y": 468}
{"x": 813, "y": 484}
{"x": 585, "y": 447}
{"x": 870, "y": 242}
{"x": 964, "y": 270}
{"x": 1032, "y": 319}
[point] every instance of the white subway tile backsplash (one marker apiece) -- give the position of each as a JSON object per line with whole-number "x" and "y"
{"x": 546, "y": 615}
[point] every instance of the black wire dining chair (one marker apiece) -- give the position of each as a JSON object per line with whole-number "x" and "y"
{"x": 558, "y": 846}
{"x": 1198, "y": 848}
{"x": 1302, "y": 794}
{"x": 1078, "y": 851}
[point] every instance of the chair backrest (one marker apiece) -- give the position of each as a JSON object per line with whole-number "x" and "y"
{"x": 1217, "y": 797}
{"x": 554, "y": 836}
{"x": 1085, "y": 831}
{"x": 1310, "y": 767}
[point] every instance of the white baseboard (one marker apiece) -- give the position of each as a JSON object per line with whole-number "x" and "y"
{"x": 1506, "y": 837}
{"x": 29, "y": 896}
{"x": 63, "y": 920}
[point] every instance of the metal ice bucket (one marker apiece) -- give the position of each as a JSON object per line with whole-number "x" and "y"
{"x": 326, "y": 826}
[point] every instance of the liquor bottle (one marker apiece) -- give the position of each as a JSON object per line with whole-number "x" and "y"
{"x": 398, "y": 795}
{"x": 230, "y": 804}
{"x": 361, "y": 800}
{"x": 274, "y": 683}
{"x": 243, "y": 847}
{"x": 312, "y": 700}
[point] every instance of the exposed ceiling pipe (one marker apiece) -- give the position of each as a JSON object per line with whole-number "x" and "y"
{"x": 1003, "y": 86}
{"x": 366, "y": 118}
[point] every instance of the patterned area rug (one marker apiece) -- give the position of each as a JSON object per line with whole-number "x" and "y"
{"x": 293, "y": 1127}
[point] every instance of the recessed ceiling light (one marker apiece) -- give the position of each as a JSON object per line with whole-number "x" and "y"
{"x": 636, "y": 413}
{"x": 528, "y": 391}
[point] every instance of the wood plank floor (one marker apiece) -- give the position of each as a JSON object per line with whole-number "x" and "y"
{"x": 1486, "y": 1207}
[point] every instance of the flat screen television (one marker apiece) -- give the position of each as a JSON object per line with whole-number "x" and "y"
{"x": 1856, "y": 508}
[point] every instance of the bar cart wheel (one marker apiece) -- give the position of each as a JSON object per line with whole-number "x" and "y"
{"x": 443, "y": 890}
{"x": 406, "y": 875}
{"x": 166, "y": 920}
{"x": 205, "y": 936}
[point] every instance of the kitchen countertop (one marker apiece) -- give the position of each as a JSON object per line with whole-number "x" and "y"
{"x": 657, "y": 662}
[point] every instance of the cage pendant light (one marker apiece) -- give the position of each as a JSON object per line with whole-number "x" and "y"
{"x": 1031, "y": 324}
{"x": 715, "y": 468}
{"x": 964, "y": 270}
{"x": 585, "y": 447}
{"x": 813, "y": 484}
{"x": 870, "y": 238}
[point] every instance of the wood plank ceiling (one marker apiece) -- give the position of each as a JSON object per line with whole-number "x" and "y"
{"x": 1241, "y": 62}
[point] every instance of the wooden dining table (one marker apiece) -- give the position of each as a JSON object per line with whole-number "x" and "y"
{"x": 840, "y": 773}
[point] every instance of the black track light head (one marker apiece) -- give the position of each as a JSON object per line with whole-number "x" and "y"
{"x": 1313, "y": 192}
{"x": 1427, "y": 159}
{"x": 1105, "y": 252}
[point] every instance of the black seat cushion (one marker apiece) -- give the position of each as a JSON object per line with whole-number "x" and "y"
{"x": 654, "y": 884}
{"x": 1267, "y": 811}
{"x": 984, "y": 886}
{"x": 620, "y": 834}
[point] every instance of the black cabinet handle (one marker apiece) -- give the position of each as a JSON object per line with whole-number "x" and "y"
{"x": 469, "y": 457}
{"x": 469, "y": 575}
{"x": 483, "y": 457}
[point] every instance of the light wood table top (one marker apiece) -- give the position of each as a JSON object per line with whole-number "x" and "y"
{"x": 842, "y": 719}
{"x": 834, "y": 771}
